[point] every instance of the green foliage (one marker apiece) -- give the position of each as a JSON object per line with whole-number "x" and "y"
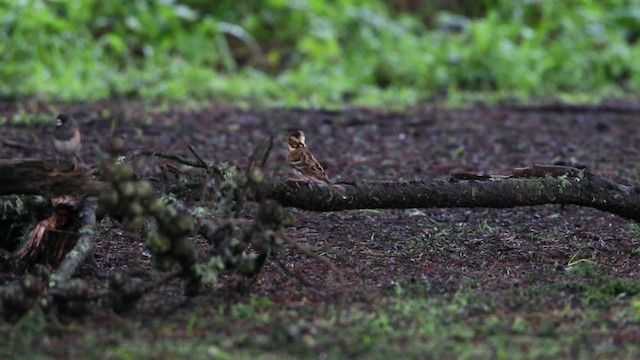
{"x": 318, "y": 53}
{"x": 255, "y": 309}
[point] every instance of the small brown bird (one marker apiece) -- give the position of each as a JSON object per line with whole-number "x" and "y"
{"x": 66, "y": 138}
{"x": 304, "y": 163}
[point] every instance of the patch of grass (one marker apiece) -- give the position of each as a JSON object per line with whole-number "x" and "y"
{"x": 255, "y": 309}
{"x": 457, "y": 327}
{"x": 436, "y": 238}
{"x": 634, "y": 232}
{"x": 594, "y": 283}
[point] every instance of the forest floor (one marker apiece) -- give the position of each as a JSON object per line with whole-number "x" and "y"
{"x": 529, "y": 282}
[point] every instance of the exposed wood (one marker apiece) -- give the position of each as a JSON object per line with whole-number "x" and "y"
{"x": 83, "y": 248}
{"x": 51, "y": 239}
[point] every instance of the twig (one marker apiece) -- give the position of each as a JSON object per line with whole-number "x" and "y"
{"x": 207, "y": 177}
{"x": 168, "y": 156}
{"x": 193, "y": 151}
{"x": 18, "y": 145}
{"x": 199, "y": 163}
{"x": 260, "y": 153}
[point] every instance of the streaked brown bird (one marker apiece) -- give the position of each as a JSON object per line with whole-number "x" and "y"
{"x": 66, "y": 138}
{"x": 304, "y": 163}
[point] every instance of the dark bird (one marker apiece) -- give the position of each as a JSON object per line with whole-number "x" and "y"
{"x": 67, "y": 138}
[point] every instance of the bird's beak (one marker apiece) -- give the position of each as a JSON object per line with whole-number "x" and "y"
{"x": 58, "y": 122}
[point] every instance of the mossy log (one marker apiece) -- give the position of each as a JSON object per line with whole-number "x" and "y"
{"x": 530, "y": 186}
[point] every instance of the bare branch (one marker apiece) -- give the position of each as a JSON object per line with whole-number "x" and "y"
{"x": 199, "y": 163}
{"x": 193, "y": 151}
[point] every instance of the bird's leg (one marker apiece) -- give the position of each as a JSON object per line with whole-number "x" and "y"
{"x": 79, "y": 157}
{"x": 294, "y": 180}
{"x": 298, "y": 179}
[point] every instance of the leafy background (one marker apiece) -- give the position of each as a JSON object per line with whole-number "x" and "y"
{"x": 319, "y": 53}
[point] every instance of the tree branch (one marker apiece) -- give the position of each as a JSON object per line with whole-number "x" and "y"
{"x": 526, "y": 187}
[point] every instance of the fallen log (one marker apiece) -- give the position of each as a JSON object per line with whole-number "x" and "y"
{"x": 531, "y": 186}
{"x": 46, "y": 177}
{"x": 528, "y": 186}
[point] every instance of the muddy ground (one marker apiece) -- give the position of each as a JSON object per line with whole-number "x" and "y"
{"x": 523, "y": 282}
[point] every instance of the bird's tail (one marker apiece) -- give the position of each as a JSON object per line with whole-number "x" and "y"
{"x": 338, "y": 190}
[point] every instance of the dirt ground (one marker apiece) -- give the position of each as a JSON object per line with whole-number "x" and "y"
{"x": 526, "y": 282}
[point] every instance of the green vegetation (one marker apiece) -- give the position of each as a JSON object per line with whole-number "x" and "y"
{"x": 307, "y": 53}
